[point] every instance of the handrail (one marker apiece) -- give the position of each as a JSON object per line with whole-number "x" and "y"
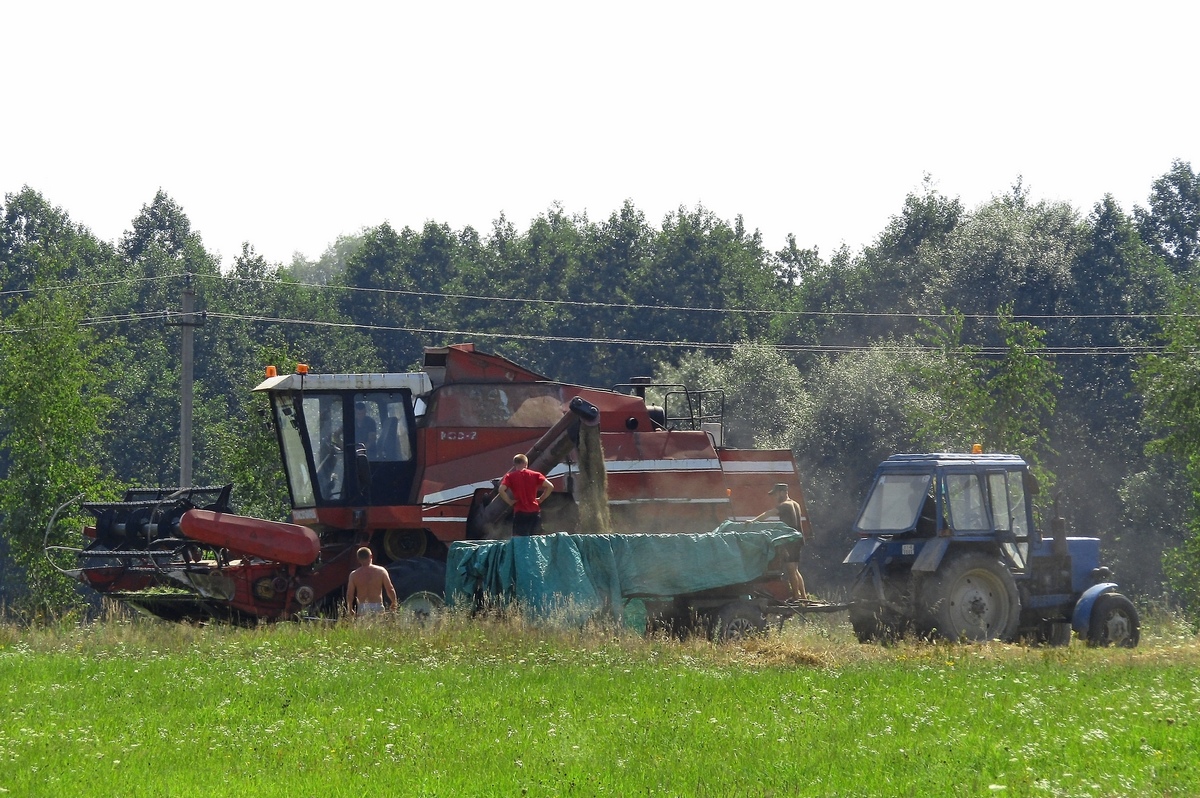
{"x": 46, "y": 547}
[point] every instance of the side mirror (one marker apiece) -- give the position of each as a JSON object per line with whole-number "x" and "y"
{"x": 1031, "y": 483}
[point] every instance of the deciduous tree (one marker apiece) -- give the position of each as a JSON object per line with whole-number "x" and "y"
{"x": 52, "y": 409}
{"x": 1001, "y": 402}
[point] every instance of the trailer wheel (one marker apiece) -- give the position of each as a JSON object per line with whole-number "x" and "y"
{"x": 972, "y": 597}
{"x": 666, "y": 618}
{"x": 739, "y": 621}
{"x": 876, "y": 620}
{"x": 1114, "y": 622}
{"x": 1055, "y": 634}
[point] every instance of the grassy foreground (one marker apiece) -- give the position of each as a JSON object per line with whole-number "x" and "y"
{"x": 491, "y": 707}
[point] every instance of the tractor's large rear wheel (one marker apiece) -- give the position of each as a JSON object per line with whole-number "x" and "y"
{"x": 972, "y": 597}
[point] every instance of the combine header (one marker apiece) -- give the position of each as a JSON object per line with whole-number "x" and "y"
{"x": 409, "y": 463}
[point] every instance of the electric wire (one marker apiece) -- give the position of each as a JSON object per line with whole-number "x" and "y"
{"x": 849, "y": 314}
{"x": 687, "y": 308}
{"x": 90, "y": 286}
{"x": 988, "y": 351}
{"x": 168, "y": 315}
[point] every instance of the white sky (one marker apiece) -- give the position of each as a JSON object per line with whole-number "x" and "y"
{"x": 287, "y": 124}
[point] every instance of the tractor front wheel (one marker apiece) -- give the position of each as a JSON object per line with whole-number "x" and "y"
{"x": 972, "y": 597}
{"x": 1114, "y": 622}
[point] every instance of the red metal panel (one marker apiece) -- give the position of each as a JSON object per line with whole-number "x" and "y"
{"x": 273, "y": 540}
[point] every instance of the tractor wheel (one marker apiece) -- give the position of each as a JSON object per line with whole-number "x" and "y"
{"x": 739, "y": 621}
{"x": 972, "y": 597}
{"x": 1114, "y": 622}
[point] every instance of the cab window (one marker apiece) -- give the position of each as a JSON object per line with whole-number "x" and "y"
{"x": 964, "y": 494}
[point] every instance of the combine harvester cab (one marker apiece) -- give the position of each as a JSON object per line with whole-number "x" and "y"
{"x": 947, "y": 547}
{"x": 409, "y": 463}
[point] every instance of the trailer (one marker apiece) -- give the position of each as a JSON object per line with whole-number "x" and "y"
{"x": 726, "y": 584}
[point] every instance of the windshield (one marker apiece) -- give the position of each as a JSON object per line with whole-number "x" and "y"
{"x": 294, "y": 416}
{"x": 894, "y": 502}
{"x": 347, "y": 448}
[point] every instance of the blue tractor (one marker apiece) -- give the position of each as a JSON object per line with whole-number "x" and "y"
{"x": 947, "y": 548}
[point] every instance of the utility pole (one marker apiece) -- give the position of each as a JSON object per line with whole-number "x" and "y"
{"x": 187, "y": 322}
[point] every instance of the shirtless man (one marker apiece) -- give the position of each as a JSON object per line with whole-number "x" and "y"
{"x": 788, "y": 511}
{"x": 368, "y": 582}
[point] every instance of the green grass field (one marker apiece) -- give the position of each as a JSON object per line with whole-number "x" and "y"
{"x": 491, "y": 707}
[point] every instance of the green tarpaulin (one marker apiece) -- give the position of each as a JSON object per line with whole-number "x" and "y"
{"x": 588, "y": 574}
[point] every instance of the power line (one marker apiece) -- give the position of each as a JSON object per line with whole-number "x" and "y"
{"x": 847, "y": 314}
{"x": 707, "y": 345}
{"x": 687, "y": 308}
{"x": 46, "y": 289}
{"x": 167, "y": 315}
{"x": 95, "y": 321}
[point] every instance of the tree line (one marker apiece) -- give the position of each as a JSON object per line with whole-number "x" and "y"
{"x": 1031, "y": 327}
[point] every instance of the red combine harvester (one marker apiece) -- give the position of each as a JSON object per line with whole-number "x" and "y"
{"x": 409, "y": 463}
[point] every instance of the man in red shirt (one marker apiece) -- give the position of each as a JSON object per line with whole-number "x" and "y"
{"x": 524, "y": 490}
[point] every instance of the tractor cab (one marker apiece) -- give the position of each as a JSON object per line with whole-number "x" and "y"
{"x": 967, "y": 497}
{"x": 347, "y": 439}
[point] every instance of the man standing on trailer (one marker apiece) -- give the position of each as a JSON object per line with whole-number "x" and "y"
{"x": 788, "y": 511}
{"x": 368, "y": 582}
{"x": 524, "y": 490}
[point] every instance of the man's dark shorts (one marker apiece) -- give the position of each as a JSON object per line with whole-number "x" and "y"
{"x": 790, "y": 551}
{"x": 525, "y": 524}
